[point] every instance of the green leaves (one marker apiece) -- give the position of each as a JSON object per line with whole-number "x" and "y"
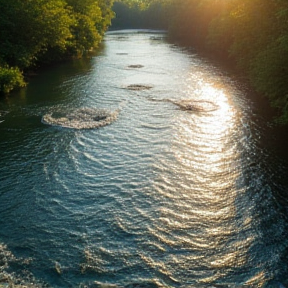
{"x": 10, "y": 78}
{"x": 28, "y": 28}
{"x": 91, "y": 21}
{"x": 42, "y": 31}
{"x": 130, "y": 16}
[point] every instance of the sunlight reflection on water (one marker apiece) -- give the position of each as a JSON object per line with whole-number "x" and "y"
{"x": 205, "y": 155}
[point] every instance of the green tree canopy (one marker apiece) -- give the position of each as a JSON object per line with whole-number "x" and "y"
{"x": 29, "y": 27}
{"x": 42, "y": 31}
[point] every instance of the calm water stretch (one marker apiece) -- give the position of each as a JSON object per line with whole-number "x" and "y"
{"x": 144, "y": 166}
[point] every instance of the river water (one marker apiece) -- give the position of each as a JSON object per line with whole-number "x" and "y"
{"x": 143, "y": 166}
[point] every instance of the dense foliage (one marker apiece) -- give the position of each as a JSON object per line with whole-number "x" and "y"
{"x": 33, "y": 32}
{"x": 135, "y": 15}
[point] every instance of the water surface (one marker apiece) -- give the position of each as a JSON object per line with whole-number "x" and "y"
{"x": 180, "y": 189}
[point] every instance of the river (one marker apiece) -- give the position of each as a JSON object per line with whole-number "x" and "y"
{"x": 142, "y": 166}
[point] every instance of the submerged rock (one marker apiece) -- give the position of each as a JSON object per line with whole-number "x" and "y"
{"x": 136, "y": 66}
{"x": 196, "y": 106}
{"x": 100, "y": 117}
{"x": 191, "y": 105}
{"x": 138, "y": 87}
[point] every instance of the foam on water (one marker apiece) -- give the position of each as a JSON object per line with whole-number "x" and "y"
{"x": 83, "y": 118}
{"x": 16, "y": 279}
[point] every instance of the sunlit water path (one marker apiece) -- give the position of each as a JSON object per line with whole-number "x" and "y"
{"x": 144, "y": 166}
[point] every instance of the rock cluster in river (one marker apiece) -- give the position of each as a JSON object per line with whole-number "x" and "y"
{"x": 82, "y": 118}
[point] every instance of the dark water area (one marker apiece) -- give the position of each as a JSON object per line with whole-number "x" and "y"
{"x": 142, "y": 166}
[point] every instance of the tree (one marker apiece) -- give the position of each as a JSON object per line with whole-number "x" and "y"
{"x": 133, "y": 15}
{"x": 92, "y": 20}
{"x": 42, "y": 31}
{"x": 29, "y": 28}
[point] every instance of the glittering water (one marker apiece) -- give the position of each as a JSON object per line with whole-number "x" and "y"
{"x": 168, "y": 184}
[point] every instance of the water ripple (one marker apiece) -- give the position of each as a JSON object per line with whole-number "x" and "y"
{"x": 178, "y": 191}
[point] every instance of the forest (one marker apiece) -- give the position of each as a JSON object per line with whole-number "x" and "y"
{"x": 251, "y": 35}
{"x": 35, "y": 33}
